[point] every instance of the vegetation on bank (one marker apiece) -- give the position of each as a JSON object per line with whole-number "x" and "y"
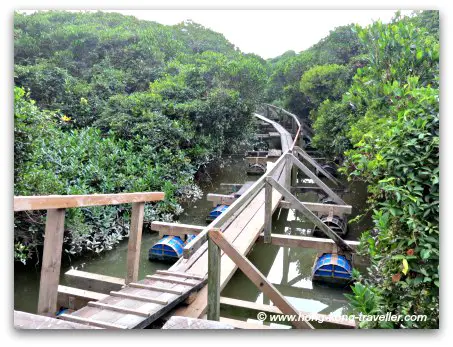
{"x": 378, "y": 110}
{"x": 106, "y": 103}
{"x": 159, "y": 102}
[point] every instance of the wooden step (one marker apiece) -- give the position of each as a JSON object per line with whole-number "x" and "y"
{"x": 180, "y": 274}
{"x": 88, "y": 321}
{"x": 156, "y": 288}
{"x": 139, "y": 298}
{"x": 170, "y": 280}
{"x": 119, "y": 309}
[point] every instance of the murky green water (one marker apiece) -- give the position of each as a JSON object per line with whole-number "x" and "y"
{"x": 288, "y": 269}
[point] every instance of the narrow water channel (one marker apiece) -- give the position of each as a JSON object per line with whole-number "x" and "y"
{"x": 288, "y": 269}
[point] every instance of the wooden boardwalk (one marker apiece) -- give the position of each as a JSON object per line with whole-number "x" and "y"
{"x": 139, "y": 304}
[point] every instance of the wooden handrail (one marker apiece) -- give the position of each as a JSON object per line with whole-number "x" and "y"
{"x": 46, "y": 202}
{"x": 299, "y": 126}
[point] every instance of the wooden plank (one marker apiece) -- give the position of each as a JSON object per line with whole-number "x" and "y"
{"x": 257, "y": 278}
{"x": 220, "y": 199}
{"x": 25, "y": 320}
{"x": 304, "y": 155}
{"x": 246, "y": 186}
{"x": 267, "y": 212}
{"x": 139, "y": 298}
{"x": 120, "y": 309}
{"x": 135, "y": 241}
{"x": 155, "y": 288}
{"x": 45, "y": 202}
{"x": 91, "y": 322}
{"x": 94, "y": 282}
{"x": 253, "y": 308}
{"x": 51, "y": 262}
{"x": 317, "y": 180}
{"x": 75, "y": 298}
{"x": 180, "y": 274}
{"x": 213, "y": 280}
{"x": 310, "y": 215}
{"x": 338, "y": 210}
{"x": 170, "y": 280}
{"x": 322, "y": 245}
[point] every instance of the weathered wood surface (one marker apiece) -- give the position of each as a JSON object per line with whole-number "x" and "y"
{"x": 51, "y": 262}
{"x": 154, "y": 295}
{"x": 135, "y": 241}
{"x": 221, "y": 199}
{"x": 323, "y": 208}
{"x": 177, "y": 322}
{"x": 94, "y": 282}
{"x": 322, "y": 245}
{"x": 24, "y": 320}
{"x": 313, "y": 162}
{"x": 75, "y": 298}
{"x": 175, "y": 229}
{"x": 26, "y": 203}
{"x": 214, "y": 264}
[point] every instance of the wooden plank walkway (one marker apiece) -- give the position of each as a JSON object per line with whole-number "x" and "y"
{"x": 139, "y": 304}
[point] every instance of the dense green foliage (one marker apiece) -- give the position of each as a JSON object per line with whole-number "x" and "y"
{"x": 122, "y": 105}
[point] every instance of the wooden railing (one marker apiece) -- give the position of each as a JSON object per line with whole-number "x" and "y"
{"x": 54, "y": 232}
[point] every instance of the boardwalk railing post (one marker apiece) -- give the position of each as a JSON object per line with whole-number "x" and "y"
{"x": 135, "y": 240}
{"x": 51, "y": 262}
{"x": 267, "y": 212}
{"x": 214, "y": 264}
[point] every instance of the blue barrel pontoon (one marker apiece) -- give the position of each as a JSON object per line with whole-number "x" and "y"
{"x": 217, "y": 211}
{"x": 333, "y": 269}
{"x": 168, "y": 248}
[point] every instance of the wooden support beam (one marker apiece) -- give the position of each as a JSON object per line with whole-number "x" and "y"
{"x": 257, "y": 278}
{"x": 220, "y": 199}
{"x": 94, "y": 282}
{"x": 322, "y": 245}
{"x": 304, "y": 155}
{"x": 28, "y": 203}
{"x": 75, "y": 298}
{"x": 139, "y": 298}
{"x": 337, "y": 210}
{"x": 310, "y": 215}
{"x": 51, "y": 262}
{"x": 175, "y": 229}
{"x": 119, "y": 309}
{"x": 317, "y": 180}
{"x": 135, "y": 241}
{"x": 267, "y": 212}
{"x": 90, "y": 322}
{"x": 214, "y": 264}
{"x": 253, "y": 308}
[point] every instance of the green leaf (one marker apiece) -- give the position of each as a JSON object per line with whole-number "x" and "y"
{"x": 405, "y": 266}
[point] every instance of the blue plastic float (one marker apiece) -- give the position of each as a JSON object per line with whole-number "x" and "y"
{"x": 168, "y": 248}
{"x": 217, "y": 211}
{"x": 333, "y": 269}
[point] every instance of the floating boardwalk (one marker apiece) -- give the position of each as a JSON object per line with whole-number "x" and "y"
{"x": 137, "y": 304}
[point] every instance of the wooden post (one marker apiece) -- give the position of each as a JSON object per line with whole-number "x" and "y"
{"x": 267, "y": 212}
{"x": 51, "y": 262}
{"x": 288, "y": 168}
{"x": 257, "y": 278}
{"x": 135, "y": 241}
{"x": 214, "y": 264}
